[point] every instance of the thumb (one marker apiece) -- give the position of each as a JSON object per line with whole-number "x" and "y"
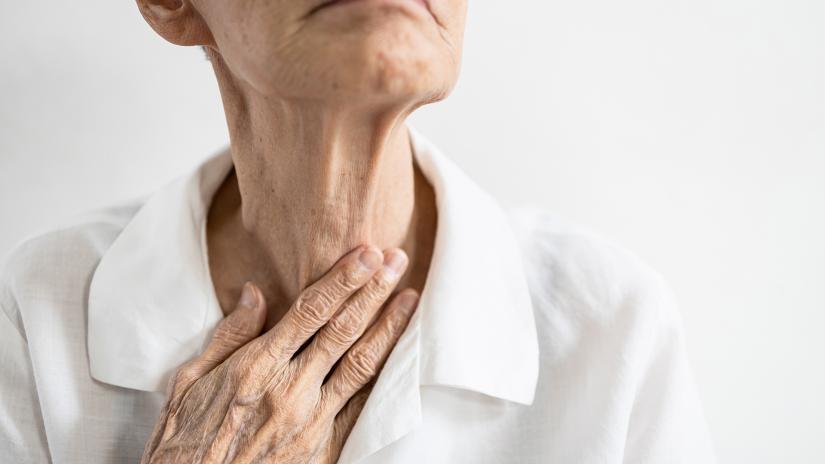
{"x": 236, "y": 330}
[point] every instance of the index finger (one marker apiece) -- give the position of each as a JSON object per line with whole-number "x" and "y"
{"x": 318, "y": 302}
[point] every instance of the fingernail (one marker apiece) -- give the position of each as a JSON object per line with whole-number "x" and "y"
{"x": 371, "y": 258}
{"x": 408, "y": 301}
{"x": 395, "y": 263}
{"x": 249, "y": 297}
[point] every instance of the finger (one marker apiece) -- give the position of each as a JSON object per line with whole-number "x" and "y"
{"x": 355, "y": 315}
{"x": 234, "y": 331}
{"x": 316, "y": 304}
{"x": 364, "y": 360}
{"x": 346, "y": 419}
{"x": 343, "y": 424}
{"x": 239, "y": 328}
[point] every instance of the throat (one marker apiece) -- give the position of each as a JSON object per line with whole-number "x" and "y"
{"x": 283, "y": 217}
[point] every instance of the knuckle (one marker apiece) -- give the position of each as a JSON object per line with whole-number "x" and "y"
{"x": 274, "y": 351}
{"x": 238, "y": 413}
{"x": 311, "y": 306}
{"x": 383, "y": 286}
{"x": 343, "y": 329}
{"x": 247, "y": 381}
{"x": 347, "y": 279}
{"x": 360, "y": 365}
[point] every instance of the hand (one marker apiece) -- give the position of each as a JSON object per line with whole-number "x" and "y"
{"x": 250, "y": 398}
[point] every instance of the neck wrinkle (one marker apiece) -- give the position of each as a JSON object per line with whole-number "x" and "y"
{"x": 310, "y": 183}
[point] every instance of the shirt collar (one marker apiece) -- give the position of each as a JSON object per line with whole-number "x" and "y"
{"x": 152, "y": 303}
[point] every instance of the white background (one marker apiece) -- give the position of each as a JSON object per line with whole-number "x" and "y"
{"x": 691, "y": 131}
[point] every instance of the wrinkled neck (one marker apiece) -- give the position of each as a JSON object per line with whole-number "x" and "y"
{"x": 309, "y": 197}
{"x": 311, "y": 182}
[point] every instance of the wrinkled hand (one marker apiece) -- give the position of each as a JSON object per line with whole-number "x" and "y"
{"x": 261, "y": 398}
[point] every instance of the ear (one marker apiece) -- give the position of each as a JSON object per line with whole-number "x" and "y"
{"x": 176, "y": 21}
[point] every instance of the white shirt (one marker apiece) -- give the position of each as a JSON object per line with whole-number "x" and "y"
{"x": 534, "y": 341}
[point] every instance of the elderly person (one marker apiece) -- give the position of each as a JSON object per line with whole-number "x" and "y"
{"x": 266, "y": 307}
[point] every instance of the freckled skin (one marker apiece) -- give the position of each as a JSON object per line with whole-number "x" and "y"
{"x": 315, "y": 99}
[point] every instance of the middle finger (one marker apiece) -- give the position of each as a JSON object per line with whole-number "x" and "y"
{"x": 355, "y": 315}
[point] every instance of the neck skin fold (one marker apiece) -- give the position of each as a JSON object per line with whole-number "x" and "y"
{"x": 311, "y": 182}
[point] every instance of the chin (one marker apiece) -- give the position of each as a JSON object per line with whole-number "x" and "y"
{"x": 392, "y": 66}
{"x": 378, "y": 55}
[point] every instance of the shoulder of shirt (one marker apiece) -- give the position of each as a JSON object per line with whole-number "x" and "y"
{"x": 580, "y": 278}
{"x": 78, "y": 243}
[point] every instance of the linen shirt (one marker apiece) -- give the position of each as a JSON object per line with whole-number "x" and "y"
{"x": 534, "y": 340}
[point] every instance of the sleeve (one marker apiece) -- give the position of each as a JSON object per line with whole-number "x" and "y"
{"x": 666, "y": 423}
{"x": 22, "y": 434}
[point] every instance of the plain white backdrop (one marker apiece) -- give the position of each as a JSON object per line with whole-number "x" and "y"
{"x": 692, "y": 132}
